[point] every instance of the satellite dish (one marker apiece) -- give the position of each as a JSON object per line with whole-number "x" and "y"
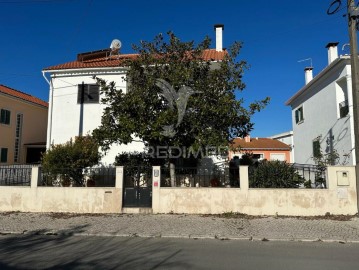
{"x": 115, "y": 48}
{"x": 115, "y": 45}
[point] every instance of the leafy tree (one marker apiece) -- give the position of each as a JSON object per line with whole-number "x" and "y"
{"x": 68, "y": 160}
{"x": 177, "y": 98}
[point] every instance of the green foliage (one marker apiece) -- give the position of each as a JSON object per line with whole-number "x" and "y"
{"x": 213, "y": 115}
{"x": 137, "y": 159}
{"x": 66, "y": 161}
{"x": 247, "y": 159}
{"x": 322, "y": 161}
{"x": 274, "y": 174}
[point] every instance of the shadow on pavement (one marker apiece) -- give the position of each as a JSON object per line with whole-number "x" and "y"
{"x": 65, "y": 251}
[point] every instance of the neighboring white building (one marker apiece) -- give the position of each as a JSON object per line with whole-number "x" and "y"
{"x": 74, "y": 100}
{"x": 287, "y": 138}
{"x": 322, "y": 112}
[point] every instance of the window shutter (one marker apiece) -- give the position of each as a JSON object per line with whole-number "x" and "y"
{"x": 3, "y": 155}
{"x": 2, "y": 121}
{"x": 7, "y": 117}
{"x": 316, "y": 149}
{"x": 92, "y": 93}
{"x": 296, "y": 116}
{"x": 301, "y": 114}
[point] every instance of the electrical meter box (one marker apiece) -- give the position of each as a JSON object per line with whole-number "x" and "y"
{"x": 342, "y": 178}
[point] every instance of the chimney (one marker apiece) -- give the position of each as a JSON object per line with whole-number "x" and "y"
{"x": 219, "y": 36}
{"x": 308, "y": 73}
{"x": 247, "y": 138}
{"x": 332, "y": 51}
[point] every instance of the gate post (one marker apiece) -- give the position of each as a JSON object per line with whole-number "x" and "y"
{"x": 119, "y": 186}
{"x": 119, "y": 177}
{"x": 243, "y": 177}
{"x": 156, "y": 185}
{"x": 34, "y": 177}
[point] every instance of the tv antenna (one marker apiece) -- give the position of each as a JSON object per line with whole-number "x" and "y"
{"x": 307, "y": 59}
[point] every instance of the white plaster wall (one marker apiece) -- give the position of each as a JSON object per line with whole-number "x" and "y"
{"x": 54, "y": 199}
{"x": 65, "y": 114}
{"x": 340, "y": 198}
{"x": 294, "y": 202}
{"x": 321, "y": 119}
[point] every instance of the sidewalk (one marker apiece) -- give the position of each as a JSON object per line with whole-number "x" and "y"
{"x": 327, "y": 229}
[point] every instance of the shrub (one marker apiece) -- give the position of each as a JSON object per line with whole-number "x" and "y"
{"x": 65, "y": 162}
{"x": 274, "y": 174}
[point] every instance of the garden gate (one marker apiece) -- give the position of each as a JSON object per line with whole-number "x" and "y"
{"x": 137, "y": 190}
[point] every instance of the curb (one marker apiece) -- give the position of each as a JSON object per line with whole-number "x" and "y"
{"x": 180, "y": 236}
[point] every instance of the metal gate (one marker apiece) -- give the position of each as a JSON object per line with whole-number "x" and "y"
{"x": 137, "y": 190}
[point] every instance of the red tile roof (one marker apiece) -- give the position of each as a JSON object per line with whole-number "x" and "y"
{"x": 99, "y": 59}
{"x": 21, "y": 95}
{"x": 260, "y": 144}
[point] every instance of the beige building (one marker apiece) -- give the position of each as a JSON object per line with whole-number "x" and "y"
{"x": 23, "y": 125}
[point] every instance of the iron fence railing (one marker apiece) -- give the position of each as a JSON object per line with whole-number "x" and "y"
{"x": 15, "y": 175}
{"x": 137, "y": 176}
{"x": 196, "y": 177}
{"x": 90, "y": 177}
{"x": 303, "y": 176}
{"x": 317, "y": 175}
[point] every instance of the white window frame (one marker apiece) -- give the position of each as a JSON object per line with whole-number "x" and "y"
{"x": 300, "y": 116}
{"x": 270, "y": 156}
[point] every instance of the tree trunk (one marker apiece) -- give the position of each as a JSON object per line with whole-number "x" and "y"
{"x": 172, "y": 174}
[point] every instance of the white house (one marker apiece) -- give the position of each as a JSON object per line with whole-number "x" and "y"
{"x": 74, "y": 100}
{"x": 287, "y": 138}
{"x": 322, "y": 112}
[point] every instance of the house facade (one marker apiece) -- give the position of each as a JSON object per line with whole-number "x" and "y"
{"x": 261, "y": 148}
{"x": 322, "y": 113}
{"x": 22, "y": 128}
{"x": 287, "y": 138}
{"x": 75, "y": 106}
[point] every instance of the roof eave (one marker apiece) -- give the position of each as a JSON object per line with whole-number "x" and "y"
{"x": 26, "y": 101}
{"x": 82, "y": 69}
{"x": 316, "y": 79}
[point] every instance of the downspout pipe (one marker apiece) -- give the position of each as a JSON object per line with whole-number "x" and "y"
{"x": 49, "y": 117}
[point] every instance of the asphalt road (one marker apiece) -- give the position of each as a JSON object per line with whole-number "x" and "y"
{"x": 75, "y": 252}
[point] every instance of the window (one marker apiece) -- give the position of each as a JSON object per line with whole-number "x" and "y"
{"x": 275, "y": 156}
{"x": 258, "y": 156}
{"x": 18, "y": 137}
{"x": 3, "y": 157}
{"x": 316, "y": 149}
{"x": 343, "y": 108}
{"x": 88, "y": 93}
{"x": 299, "y": 116}
{"x": 5, "y": 117}
{"x": 341, "y": 89}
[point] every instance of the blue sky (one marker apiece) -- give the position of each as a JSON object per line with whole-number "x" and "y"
{"x": 276, "y": 34}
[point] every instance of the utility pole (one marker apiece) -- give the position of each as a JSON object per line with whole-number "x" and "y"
{"x": 352, "y": 18}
